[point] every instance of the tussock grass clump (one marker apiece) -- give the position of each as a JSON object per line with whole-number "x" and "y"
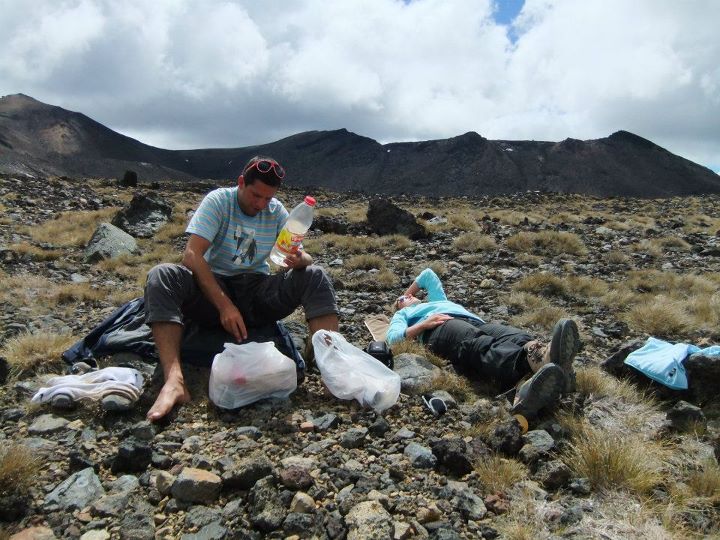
{"x": 659, "y": 316}
{"x": 35, "y": 352}
{"x": 456, "y": 385}
{"x": 356, "y": 244}
{"x": 543, "y": 284}
{"x": 498, "y": 473}
{"x": 173, "y": 229}
{"x": 617, "y": 461}
{"x": 523, "y": 301}
{"x": 70, "y": 229}
{"x": 706, "y": 481}
{"x": 616, "y": 257}
{"x": 413, "y": 347}
{"x": 365, "y": 262}
{"x": 436, "y": 266}
{"x": 370, "y": 281}
{"x": 593, "y": 381}
{"x": 464, "y": 221}
{"x": 671, "y": 283}
{"x": 36, "y": 253}
{"x": 543, "y": 317}
{"x": 549, "y": 243}
{"x": 513, "y": 217}
{"x": 473, "y": 242}
{"x": 18, "y": 465}
{"x": 586, "y": 287}
{"x": 77, "y": 292}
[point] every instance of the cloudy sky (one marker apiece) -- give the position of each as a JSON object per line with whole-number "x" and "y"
{"x": 226, "y": 73}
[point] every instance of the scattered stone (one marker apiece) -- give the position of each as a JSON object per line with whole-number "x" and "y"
{"x": 296, "y": 478}
{"x": 353, "y": 438}
{"x": 452, "y": 454}
{"x": 553, "y": 474}
{"x": 538, "y": 445}
{"x": 132, "y": 456}
{"x": 368, "y": 519}
{"x": 384, "y": 217}
{"x": 326, "y": 422}
{"x": 267, "y": 510}
{"x": 302, "y": 503}
{"x": 420, "y": 456}
{"x": 47, "y": 424}
{"x": 415, "y": 371}
{"x": 247, "y": 472}
{"x": 196, "y": 485}
{"x": 506, "y": 438}
{"x": 685, "y": 416}
{"x": 75, "y": 492}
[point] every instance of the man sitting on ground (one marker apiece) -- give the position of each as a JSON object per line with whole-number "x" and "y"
{"x": 224, "y": 278}
{"x": 501, "y": 353}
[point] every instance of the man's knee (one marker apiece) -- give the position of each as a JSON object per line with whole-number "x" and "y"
{"x": 318, "y": 296}
{"x": 164, "y": 274}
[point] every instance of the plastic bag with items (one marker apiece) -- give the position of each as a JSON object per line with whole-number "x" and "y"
{"x": 245, "y": 373}
{"x": 349, "y": 372}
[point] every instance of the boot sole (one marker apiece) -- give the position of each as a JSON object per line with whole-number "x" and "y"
{"x": 563, "y": 348}
{"x": 545, "y": 388}
{"x": 565, "y": 343}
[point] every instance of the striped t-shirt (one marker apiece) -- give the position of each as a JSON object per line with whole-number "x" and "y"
{"x": 238, "y": 243}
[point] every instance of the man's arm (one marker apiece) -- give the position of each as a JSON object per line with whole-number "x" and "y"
{"x": 230, "y": 316}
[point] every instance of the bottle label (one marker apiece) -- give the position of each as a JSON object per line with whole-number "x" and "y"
{"x": 288, "y": 243}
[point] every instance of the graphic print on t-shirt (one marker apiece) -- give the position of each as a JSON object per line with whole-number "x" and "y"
{"x": 245, "y": 245}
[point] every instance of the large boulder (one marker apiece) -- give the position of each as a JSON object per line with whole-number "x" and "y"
{"x": 144, "y": 216}
{"x": 109, "y": 242}
{"x": 384, "y": 217}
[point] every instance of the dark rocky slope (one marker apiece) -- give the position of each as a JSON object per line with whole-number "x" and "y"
{"x": 36, "y": 138}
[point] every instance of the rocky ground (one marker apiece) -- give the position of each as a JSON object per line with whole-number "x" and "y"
{"x": 617, "y": 459}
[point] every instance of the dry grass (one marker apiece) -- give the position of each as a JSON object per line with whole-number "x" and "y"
{"x": 70, "y": 229}
{"x": 593, "y": 381}
{"x": 616, "y": 257}
{"x": 473, "y": 242}
{"x": 18, "y": 466}
{"x": 543, "y": 317}
{"x": 706, "y": 481}
{"x": 173, "y": 229}
{"x": 35, "y": 352}
{"x": 356, "y": 244}
{"x": 369, "y": 281}
{"x": 548, "y": 243}
{"x": 513, "y": 217}
{"x": 413, "y": 347}
{"x": 659, "y": 316}
{"x": 498, "y": 473}
{"x": 36, "y": 253}
{"x": 462, "y": 220}
{"x": 617, "y": 461}
{"x": 543, "y": 284}
{"x": 365, "y": 262}
{"x": 456, "y": 385}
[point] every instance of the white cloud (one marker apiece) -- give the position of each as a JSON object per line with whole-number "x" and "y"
{"x": 229, "y": 73}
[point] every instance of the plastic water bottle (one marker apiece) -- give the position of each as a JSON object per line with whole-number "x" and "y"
{"x": 292, "y": 235}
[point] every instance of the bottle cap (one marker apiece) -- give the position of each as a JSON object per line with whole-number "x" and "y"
{"x": 310, "y": 201}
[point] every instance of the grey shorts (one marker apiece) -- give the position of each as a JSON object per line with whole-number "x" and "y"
{"x": 173, "y": 295}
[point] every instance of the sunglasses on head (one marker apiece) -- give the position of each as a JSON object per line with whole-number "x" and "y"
{"x": 265, "y": 166}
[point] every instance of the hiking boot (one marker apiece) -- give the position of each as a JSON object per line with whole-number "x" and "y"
{"x": 564, "y": 345}
{"x": 541, "y": 390}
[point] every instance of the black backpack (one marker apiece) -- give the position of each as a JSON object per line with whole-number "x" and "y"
{"x": 380, "y": 351}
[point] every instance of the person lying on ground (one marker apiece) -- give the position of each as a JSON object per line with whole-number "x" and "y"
{"x": 224, "y": 278}
{"x": 504, "y": 354}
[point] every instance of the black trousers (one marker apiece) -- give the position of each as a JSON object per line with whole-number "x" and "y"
{"x": 486, "y": 350}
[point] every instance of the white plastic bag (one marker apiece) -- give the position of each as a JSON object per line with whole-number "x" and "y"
{"x": 349, "y": 372}
{"x": 246, "y": 373}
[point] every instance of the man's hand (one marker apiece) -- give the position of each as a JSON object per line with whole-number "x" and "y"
{"x": 298, "y": 260}
{"x": 433, "y": 321}
{"x": 232, "y": 321}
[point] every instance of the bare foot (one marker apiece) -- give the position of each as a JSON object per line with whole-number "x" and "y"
{"x": 172, "y": 393}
